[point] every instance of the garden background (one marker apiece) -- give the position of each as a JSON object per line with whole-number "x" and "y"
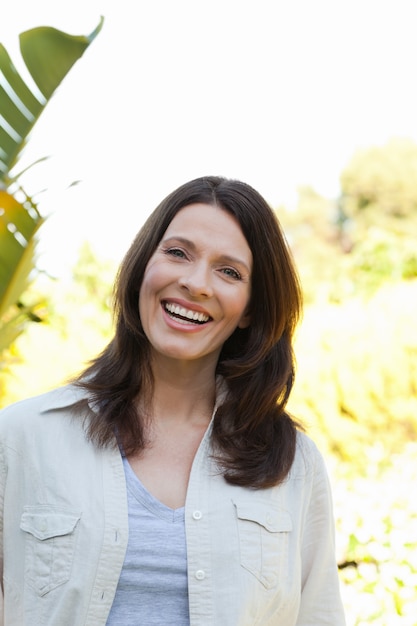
{"x": 356, "y": 348}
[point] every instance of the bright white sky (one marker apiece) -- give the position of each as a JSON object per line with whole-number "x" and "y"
{"x": 276, "y": 93}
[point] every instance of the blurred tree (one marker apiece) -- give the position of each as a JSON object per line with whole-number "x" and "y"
{"x": 380, "y": 184}
{"x": 379, "y": 199}
{"x": 367, "y": 237}
{"x": 93, "y": 280}
{"x": 79, "y": 326}
{"x": 313, "y": 233}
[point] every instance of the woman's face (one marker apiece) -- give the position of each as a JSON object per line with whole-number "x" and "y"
{"x": 196, "y": 287}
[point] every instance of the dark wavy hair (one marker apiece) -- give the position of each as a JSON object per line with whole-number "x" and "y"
{"x": 253, "y": 436}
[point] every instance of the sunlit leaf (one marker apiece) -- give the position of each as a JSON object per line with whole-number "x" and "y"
{"x": 49, "y": 54}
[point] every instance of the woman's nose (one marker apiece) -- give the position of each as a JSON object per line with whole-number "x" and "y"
{"x": 197, "y": 281}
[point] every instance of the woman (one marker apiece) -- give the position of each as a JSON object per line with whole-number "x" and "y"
{"x": 167, "y": 484}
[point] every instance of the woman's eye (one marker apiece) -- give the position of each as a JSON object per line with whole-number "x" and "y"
{"x": 177, "y": 252}
{"x": 231, "y": 273}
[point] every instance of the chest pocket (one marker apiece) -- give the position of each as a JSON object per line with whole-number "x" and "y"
{"x": 263, "y": 539}
{"x": 49, "y": 546}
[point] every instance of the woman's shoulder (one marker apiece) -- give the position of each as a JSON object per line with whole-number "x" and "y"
{"x": 28, "y": 409}
{"x": 306, "y": 443}
{"x": 308, "y": 458}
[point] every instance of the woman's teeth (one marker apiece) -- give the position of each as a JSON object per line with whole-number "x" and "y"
{"x": 180, "y": 311}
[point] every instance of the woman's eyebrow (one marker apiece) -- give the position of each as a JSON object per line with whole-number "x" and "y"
{"x": 179, "y": 239}
{"x": 232, "y": 260}
{"x": 225, "y": 258}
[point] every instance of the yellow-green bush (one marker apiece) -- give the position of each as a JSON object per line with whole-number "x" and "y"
{"x": 376, "y": 522}
{"x": 356, "y": 392}
{"x": 356, "y": 382}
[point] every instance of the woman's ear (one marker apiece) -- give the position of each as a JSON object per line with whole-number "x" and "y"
{"x": 244, "y": 320}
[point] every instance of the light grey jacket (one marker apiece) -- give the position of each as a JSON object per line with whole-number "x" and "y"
{"x": 255, "y": 557}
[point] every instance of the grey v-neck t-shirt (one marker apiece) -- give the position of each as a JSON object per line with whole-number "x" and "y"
{"x": 153, "y": 588}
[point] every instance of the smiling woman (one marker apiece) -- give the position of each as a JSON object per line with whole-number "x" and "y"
{"x": 171, "y": 460}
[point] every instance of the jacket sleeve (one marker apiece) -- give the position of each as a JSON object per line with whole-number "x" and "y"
{"x": 321, "y": 603}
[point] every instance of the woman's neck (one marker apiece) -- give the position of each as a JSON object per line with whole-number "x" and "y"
{"x": 182, "y": 394}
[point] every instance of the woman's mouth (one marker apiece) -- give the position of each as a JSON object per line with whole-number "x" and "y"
{"x": 181, "y": 314}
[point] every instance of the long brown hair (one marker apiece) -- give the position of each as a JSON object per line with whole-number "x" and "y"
{"x": 253, "y": 437}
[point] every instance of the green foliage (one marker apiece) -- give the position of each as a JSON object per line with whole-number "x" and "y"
{"x": 376, "y": 519}
{"x": 19, "y": 224}
{"x": 357, "y": 373}
{"x": 356, "y": 392}
{"x": 379, "y": 184}
{"x": 367, "y": 238}
{"x": 356, "y": 382}
{"x": 314, "y": 240}
{"x": 78, "y": 327}
{"x": 94, "y": 277}
{"x": 49, "y": 54}
{"x": 379, "y": 205}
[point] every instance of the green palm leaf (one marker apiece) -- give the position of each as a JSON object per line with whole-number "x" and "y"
{"x": 48, "y": 54}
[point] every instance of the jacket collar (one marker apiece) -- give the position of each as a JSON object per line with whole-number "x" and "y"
{"x": 62, "y": 397}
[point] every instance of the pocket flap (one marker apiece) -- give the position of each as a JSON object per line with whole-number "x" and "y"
{"x": 44, "y": 524}
{"x": 263, "y": 513}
